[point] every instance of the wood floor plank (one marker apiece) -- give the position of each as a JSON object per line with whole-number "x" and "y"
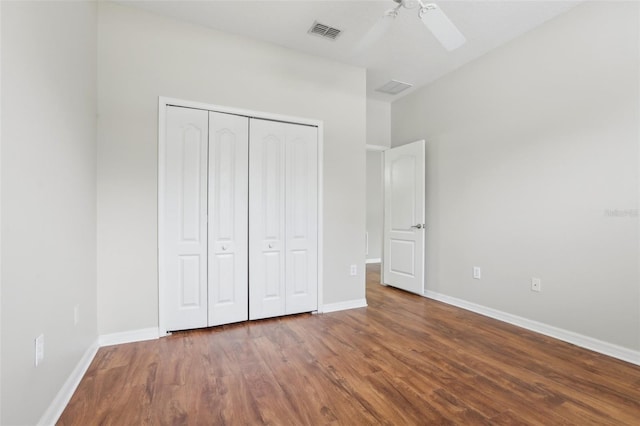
{"x": 404, "y": 359}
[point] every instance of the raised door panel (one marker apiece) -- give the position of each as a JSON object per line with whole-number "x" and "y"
{"x": 401, "y": 215}
{"x": 266, "y": 219}
{"x": 301, "y": 235}
{"x": 228, "y": 210}
{"x": 185, "y": 210}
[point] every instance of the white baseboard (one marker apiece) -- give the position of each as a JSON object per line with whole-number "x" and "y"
{"x": 129, "y": 336}
{"x": 377, "y": 260}
{"x": 341, "y": 306}
{"x": 59, "y": 403}
{"x": 51, "y": 416}
{"x": 605, "y": 348}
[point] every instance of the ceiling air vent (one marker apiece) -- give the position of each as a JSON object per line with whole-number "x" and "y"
{"x": 325, "y": 31}
{"x": 394, "y": 87}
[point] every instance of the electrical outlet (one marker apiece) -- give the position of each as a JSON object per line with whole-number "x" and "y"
{"x": 536, "y": 284}
{"x": 76, "y": 314}
{"x": 39, "y": 349}
{"x": 477, "y": 273}
{"x": 353, "y": 270}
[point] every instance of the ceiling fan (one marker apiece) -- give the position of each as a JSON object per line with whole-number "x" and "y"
{"x": 432, "y": 17}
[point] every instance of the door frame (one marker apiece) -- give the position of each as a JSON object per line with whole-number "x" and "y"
{"x": 381, "y": 149}
{"x": 163, "y": 103}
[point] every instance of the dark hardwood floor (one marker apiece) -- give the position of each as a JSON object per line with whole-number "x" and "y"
{"x": 403, "y": 360}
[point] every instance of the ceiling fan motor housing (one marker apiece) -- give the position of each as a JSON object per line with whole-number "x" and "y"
{"x": 409, "y": 4}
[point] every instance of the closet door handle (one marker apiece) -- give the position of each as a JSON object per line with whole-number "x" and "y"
{"x": 419, "y": 226}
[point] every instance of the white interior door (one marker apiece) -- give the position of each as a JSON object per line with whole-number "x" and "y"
{"x": 266, "y": 219}
{"x": 228, "y": 290}
{"x": 301, "y": 218}
{"x": 185, "y": 213}
{"x": 404, "y": 180}
{"x": 282, "y": 219}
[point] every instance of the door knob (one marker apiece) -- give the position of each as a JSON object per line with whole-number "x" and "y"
{"x": 419, "y": 226}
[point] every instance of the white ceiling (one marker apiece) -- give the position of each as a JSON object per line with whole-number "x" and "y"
{"x": 407, "y": 52}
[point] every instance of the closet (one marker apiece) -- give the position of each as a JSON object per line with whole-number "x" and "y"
{"x": 239, "y": 222}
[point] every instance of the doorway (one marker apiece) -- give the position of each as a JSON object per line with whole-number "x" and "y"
{"x": 395, "y": 237}
{"x": 374, "y": 204}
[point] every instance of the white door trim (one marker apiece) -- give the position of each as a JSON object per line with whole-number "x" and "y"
{"x": 380, "y": 148}
{"x": 163, "y": 102}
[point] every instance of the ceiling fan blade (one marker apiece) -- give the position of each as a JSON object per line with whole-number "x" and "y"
{"x": 376, "y": 32}
{"x": 441, "y": 27}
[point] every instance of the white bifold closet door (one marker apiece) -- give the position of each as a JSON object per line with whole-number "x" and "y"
{"x": 283, "y": 217}
{"x": 240, "y": 226}
{"x": 205, "y": 226}
{"x": 228, "y": 209}
{"x": 185, "y": 213}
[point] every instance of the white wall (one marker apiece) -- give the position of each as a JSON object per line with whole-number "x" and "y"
{"x": 1, "y": 384}
{"x": 143, "y": 56}
{"x": 48, "y": 198}
{"x": 378, "y": 123}
{"x": 529, "y": 148}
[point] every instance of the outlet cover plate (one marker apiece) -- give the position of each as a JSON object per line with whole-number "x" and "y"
{"x": 39, "y": 349}
{"x": 477, "y": 272}
{"x": 536, "y": 284}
